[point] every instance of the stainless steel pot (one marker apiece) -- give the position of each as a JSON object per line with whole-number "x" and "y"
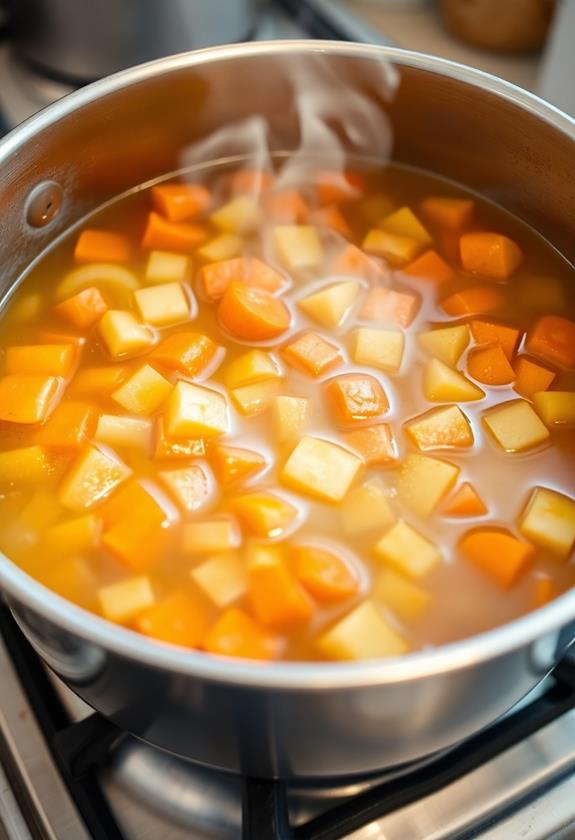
{"x": 293, "y": 720}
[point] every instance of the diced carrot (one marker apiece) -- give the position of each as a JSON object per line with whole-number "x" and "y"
{"x": 29, "y": 399}
{"x": 312, "y": 354}
{"x": 26, "y": 465}
{"x": 252, "y": 314}
{"x": 99, "y": 382}
{"x": 475, "y": 300}
{"x": 544, "y": 590}
{"x": 50, "y": 337}
{"x": 140, "y": 532}
{"x": 231, "y": 464}
{"x": 70, "y": 426}
{"x": 264, "y": 514}
{"x": 178, "y": 618}
{"x": 236, "y": 634}
{"x": 498, "y": 554}
{"x": 180, "y": 202}
{"x": 162, "y": 235}
{"x": 354, "y": 262}
{"x": 489, "y": 364}
{"x": 215, "y": 277}
{"x": 251, "y": 180}
{"x": 331, "y": 217}
{"x": 389, "y": 306}
{"x": 82, "y": 309}
{"x": 286, "y": 207}
{"x": 465, "y": 502}
{"x": 188, "y": 486}
{"x": 176, "y": 449}
{"x": 488, "y": 332}
{"x": 531, "y": 377}
{"x": 375, "y": 444}
{"x": 73, "y": 536}
{"x": 430, "y": 266}
{"x": 277, "y": 598}
{"x": 102, "y": 246}
{"x": 325, "y": 575}
{"x": 448, "y": 245}
{"x": 335, "y": 186}
{"x": 552, "y": 338}
{"x": 490, "y": 254}
{"x": 449, "y": 213}
{"x": 186, "y": 352}
{"x": 49, "y": 359}
{"x": 356, "y": 397}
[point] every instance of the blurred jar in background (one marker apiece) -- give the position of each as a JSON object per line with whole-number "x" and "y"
{"x": 502, "y": 25}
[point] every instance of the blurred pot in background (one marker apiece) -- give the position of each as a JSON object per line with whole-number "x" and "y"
{"x": 503, "y": 25}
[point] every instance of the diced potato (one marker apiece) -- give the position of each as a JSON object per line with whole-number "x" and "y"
{"x": 422, "y": 482}
{"x": 397, "y": 250}
{"x": 515, "y": 426}
{"x": 241, "y": 215}
{"x": 132, "y": 432}
{"x": 144, "y": 391}
{"x": 163, "y": 305}
{"x": 48, "y": 359}
{"x": 381, "y": 349}
{"x": 321, "y": 469}
{"x": 226, "y": 246}
{"x": 331, "y": 304}
{"x": 440, "y": 428}
{"x": 404, "y": 597}
{"x": 408, "y": 551}
{"x": 443, "y": 384}
{"x": 549, "y": 521}
{"x": 312, "y": 354}
{"x": 167, "y": 267}
{"x": 122, "y": 601}
{"x": 222, "y": 578}
{"x": 253, "y": 399}
{"x": 210, "y": 536}
{"x": 29, "y": 398}
{"x": 405, "y": 222}
{"x": 251, "y": 367}
{"x": 122, "y": 334}
{"x": 365, "y": 509}
{"x": 362, "y": 634}
{"x": 27, "y": 465}
{"x": 290, "y": 417}
{"x": 90, "y": 479}
{"x": 556, "y": 408}
{"x": 189, "y": 486}
{"x": 264, "y": 514}
{"x": 447, "y": 343}
{"x": 74, "y": 536}
{"x": 375, "y": 444}
{"x": 298, "y": 246}
{"x": 194, "y": 411}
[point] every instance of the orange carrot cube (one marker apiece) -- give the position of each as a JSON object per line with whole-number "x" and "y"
{"x": 180, "y": 202}
{"x": 176, "y": 449}
{"x": 552, "y": 338}
{"x": 215, "y": 277}
{"x": 236, "y": 634}
{"x": 188, "y": 486}
{"x": 356, "y": 397}
{"x": 178, "y": 618}
{"x": 489, "y": 364}
{"x": 375, "y": 444}
{"x": 49, "y": 359}
{"x": 187, "y": 352}
{"x": 336, "y": 186}
{"x": 388, "y": 306}
{"x": 231, "y": 464}
{"x": 498, "y": 554}
{"x": 475, "y": 300}
{"x": 286, "y": 207}
{"x": 74, "y": 536}
{"x": 102, "y": 246}
{"x": 252, "y": 314}
{"x": 544, "y": 590}
{"x": 353, "y": 262}
{"x": 27, "y": 465}
{"x": 98, "y": 382}
{"x": 29, "y": 399}
{"x": 140, "y": 533}
{"x": 487, "y": 332}
{"x": 163, "y": 235}
{"x": 490, "y": 254}
{"x": 331, "y": 217}
{"x": 312, "y": 354}
{"x": 251, "y": 180}
{"x": 452, "y": 214}
{"x": 531, "y": 377}
{"x": 465, "y": 502}
{"x": 264, "y": 514}
{"x": 82, "y": 309}
{"x": 327, "y": 576}
{"x": 430, "y": 266}
{"x": 276, "y": 597}
{"x": 71, "y": 425}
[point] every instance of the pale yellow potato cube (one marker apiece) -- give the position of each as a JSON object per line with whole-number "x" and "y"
{"x": 330, "y": 305}
{"x": 210, "y": 536}
{"x": 163, "y": 305}
{"x": 290, "y": 417}
{"x": 366, "y": 508}
{"x": 225, "y": 246}
{"x": 25, "y": 465}
{"x": 408, "y": 551}
{"x": 443, "y": 384}
{"x": 422, "y": 482}
{"x": 251, "y": 367}
{"x": 405, "y": 223}
{"x": 91, "y": 479}
{"x": 515, "y": 426}
{"x": 222, "y": 578}
{"x": 253, "y": 399}
{"x": 321, "y": 469}
{"x": 396, "y": 249}
{"x": 122, "y": 334}
{"x": 363, "y": 633}
{"x": 549, "y": 521}
{"x": 144, "y": 391}
{"x": 133, "y": 432}
{"x": 194, "y": 411}
{"x": 382, "y": 349}
{"x": 189, "y": 486}
{"x": 241, "y": 215}
{"x": 556, "y": 408}
{"x": 447, "y": 343}
{"x": 298, "y": 246}
{"x": 446, "y": 427}
{"x": 122, "y": 601}
{"x": 405, "y": 598}
{"x": 166, "y": 267}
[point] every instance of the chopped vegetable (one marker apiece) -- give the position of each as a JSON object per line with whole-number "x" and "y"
{"x": 531, "y": 377}
{"x": 167, "y": 267}
{"x": 82, "y": 309}
{"x": 215, "y": 277}
{"x": 515, "y": 426}
{"x": 330, "y": 305}
{"x": 446, "y": 212}
{"x": 188, "y": 486}
{"x": 210, "y": 536}
{"x": 402, "y": 596}
{"x": 49, "y": 359}
{"x": 362, "y": 634}
{"x": 475, "y": 300}
{"x": 163, "y": 305}
{"x": 102, "y": 246}
{"x": 395, "y": 249}
{"x": 71, "y": 425}
{"x": 465, "y": 502}
{"x": 489, "y": 365}
{"x": 290, "y": 417}
{"x": 236, "y": 634}
{"x": 195, "y": 411}
{"x": 407, "y": 551}
{"x": 144, "y": 391}
{"x": 381, "y": 349}
{"x": 221, "y": 248}
{"x": 556, "y": 408}
{"x": 241, "y": 215}
{"x": 252, "y": 314}
{"x": 355, "y": 397}
{"x": 422, "y": 482}
{"x": 187, "y": 352}
{"x": 222, "y": 578}
{"x": 250, "y": 368}
{"x": 498, "y": 554}
{"x": 549, "y": 521}
{"x": 321, "y": 469}
{"x": 405, "y": 222}
{"x": 490, "y": 254}
{"x": 74, "y": 536}
{"x": 253, "y": 399}
{"x": 27, "y": 398}
{"x": 178, "y": 618}
{"x": 131, "y": 432}
{"x": 91, "y": 478}
{"x": 312, "y": 354}
{"x": 375, "y": 444}
{"x": 327, "y": 576}
{"x": 181, "y": 202}
{"x": 231, "y": 464}
{"x": 264, "y": 514}
{"x": 163, "y": 235}
{"x": 447, "y": 343}
{"x": 176, "y": 449}
{"x": 276, "y": 597}
{"x": 354, "y": 263}
{"x": 366, "y": 509}
{"x": 440, "y": 428}
{"x": 122, "y": 601}
{"x": 552, "y": 338}
{"x": 298, "y": 246}
{"x": 389, "y": 306}
{"x": 287, "y": 207}
{"x": 123, "y": 335}
{"x": 430, "y": 266}
{"x": 28, "y": 465}
{"x": 488, "y": 332}
{"x": 443, "y": 384}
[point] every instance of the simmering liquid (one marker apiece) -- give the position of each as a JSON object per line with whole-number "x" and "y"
{"x": 328, "y": 420}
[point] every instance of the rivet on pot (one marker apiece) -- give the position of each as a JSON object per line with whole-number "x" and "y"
{"x": 44, "y": 203}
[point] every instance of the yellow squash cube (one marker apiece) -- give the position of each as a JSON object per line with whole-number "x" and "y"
{"x": 122, "y": 334}
{"x": 122, "y": 601}
{"x": 253, "y": 399}
{"x": 366, "y": 508}
{"x": 241, "y": 215}
{"x": 251, "y": 367}
{"x": 362, "y": 634}
{"x": 27, "y": 465}
{"x": 405, "y": 598}
{"x": 549, "y": 521}
{"x": 446, "y": 427}
{"x": 407, "y": 551}
{"x": 226, "y": 246}
{"x": 397, "y": 250}
{"x": 321, "y": 469}
{"x": 144, "y": 391}
{"x": 222, "y": 578}
{"x": 48, "y": 359}
{"x": 132, "y": 432}
{"x": 515, "y": 426}
{"x": 405, "y": 223}
{"x": 74, "y": 536}
{"x": 446, "y": 343}
{"x": 443, "y": 384}
{"x": 330, "y": 305}
{"x": 194, "y": 411}
{"x": 189, "y": 486}
{"x": 264, "y": 514}
{"x": 90, "y": 479}
{"x": 382, "y": 349}
{"x": 422, "y": 482}
{"x": 166, "y": 267}
{"x": 290, "y": 417}
{"x": 163, "y": 305}
{"x": 298, "y": 246}
{"x": 556, "y": 408}
{"x": 210, "y": 536}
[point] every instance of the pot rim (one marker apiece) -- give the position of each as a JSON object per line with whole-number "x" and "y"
{"x": 284, "y": 675}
